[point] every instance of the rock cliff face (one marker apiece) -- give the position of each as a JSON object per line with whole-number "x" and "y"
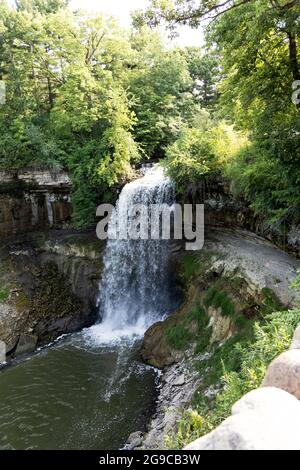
{"x": 264, "y": 419}
{"x": 223, "y": 207}
{"x": 33, "y": 200}
{"x": 48, "y": 278}
{"x": 48, "y": 286}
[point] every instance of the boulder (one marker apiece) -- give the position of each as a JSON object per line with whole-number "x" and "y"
{"x": 156, "y": 350}
{"x": 180, "y": 380}
{"x": 134, "y": 440}
{"x": 2, "y": 351}
{"x": 284, "y": 373}
{"x": 264, "y": 419}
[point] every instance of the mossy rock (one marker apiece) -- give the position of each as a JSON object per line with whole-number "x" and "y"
{"x": 217, "y": 307}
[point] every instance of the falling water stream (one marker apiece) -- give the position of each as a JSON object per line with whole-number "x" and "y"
{"x": 134, "y": 292}
{"x": 89, "y": 390}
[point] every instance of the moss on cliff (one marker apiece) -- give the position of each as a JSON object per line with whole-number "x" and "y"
{"x": 53, "y": 297}
{"x": 227, "y": 333}
{"x": 218, "y": 306}
{"x": 4, "y": 293}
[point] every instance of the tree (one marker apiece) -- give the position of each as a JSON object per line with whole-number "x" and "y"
{"x": 160, "y": 84}
{"x": 86, "y": 96}
{"x": 205, "y": 74}
{"x": 41, "y": 6}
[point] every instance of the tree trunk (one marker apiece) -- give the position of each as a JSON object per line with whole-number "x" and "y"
{"x": 293, "y": 56}
{"x": 293, "y": 59}
{"x": 50, "y": 95}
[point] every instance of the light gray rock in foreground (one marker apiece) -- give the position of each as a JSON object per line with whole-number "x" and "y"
{"x": 134, "y": 440}
{"x": 179, "y": 381}
{"x": 284, "y": 373}
{"x": 264, "y": 419}
{"x": 177, "y": 387}
{"x": 296, "y": 339}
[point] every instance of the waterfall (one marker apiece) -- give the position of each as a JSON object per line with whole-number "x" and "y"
{"x": 134, "y": 291}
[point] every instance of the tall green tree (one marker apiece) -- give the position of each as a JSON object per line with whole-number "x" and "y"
{"x": 205, "y": 74}
{"x": 159, "y": 84}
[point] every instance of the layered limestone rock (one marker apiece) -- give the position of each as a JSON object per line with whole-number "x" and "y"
{"x": 284, "y": 373}
{"x": 33, "y": 200}
{"x": 178, "y": 385}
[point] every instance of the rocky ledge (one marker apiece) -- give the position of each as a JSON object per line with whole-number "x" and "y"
{"x": 48, "y": 286}
{"x": 225, "y": 208}
{"x": 32, "y": 200}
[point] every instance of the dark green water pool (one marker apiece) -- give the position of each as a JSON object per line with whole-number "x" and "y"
{"x": 75, "y": 395}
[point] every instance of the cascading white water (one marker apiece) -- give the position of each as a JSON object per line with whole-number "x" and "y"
{"x": 134, "y": 292}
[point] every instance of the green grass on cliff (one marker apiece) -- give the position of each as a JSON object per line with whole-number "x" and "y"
{"x": 219, "y": 298}
{"x": 192, "y": 329}
{"x": 4, "y": 294}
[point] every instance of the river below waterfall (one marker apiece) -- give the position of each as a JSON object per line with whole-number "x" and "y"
{"x": 75, "y": 395}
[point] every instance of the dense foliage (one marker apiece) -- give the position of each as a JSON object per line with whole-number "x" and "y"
{"x": 256, "y": 43}
{"x": 202, "y": 151}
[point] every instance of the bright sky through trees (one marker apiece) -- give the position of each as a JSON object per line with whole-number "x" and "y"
{"x": 122, "y": 9}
